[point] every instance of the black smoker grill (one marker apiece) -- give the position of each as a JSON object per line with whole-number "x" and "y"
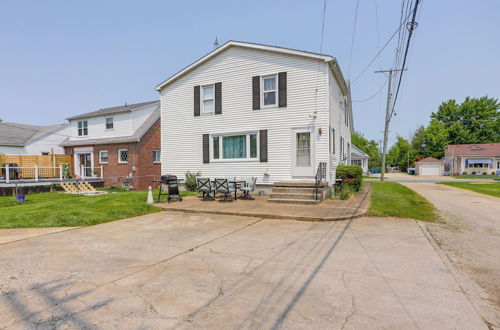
{"x": 172, "y": 188}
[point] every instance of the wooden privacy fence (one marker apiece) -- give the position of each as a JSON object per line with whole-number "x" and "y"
{"x": 45, "y": 166}
{"x": 38, "y": 160}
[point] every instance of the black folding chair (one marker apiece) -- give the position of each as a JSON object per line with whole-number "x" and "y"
{"x": 205, "y": 187}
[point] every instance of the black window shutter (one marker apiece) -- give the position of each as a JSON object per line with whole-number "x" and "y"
{"x": 256, "y": 92}
{"x": 263, "y": 145}
{"x": 196, "y": 100}
{"x": 282, "y": 89}
{"x": 218, "y": 98}
{"x": 206, "y": 149}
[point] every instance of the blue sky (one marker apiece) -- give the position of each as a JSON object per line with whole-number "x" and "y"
{"x": 60, "y": 58}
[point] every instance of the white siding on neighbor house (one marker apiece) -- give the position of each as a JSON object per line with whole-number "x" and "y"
{"x": 337, "y": 122}
{"x": 124, "y": 124}
{"x": 49, "y": 143}
{"x": 235, "y": 67}
{"x": 12, "y": 150}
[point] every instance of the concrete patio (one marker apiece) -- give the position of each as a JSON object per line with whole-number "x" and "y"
{"x": 327, "y": 210}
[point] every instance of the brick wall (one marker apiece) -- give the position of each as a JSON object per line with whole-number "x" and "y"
{"x": 147, "y": 169}
{"x": 140, "y": 160}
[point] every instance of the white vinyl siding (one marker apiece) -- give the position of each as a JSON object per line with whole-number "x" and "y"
{"x": 124, "y": 124}
{"x": 235, "y": 68}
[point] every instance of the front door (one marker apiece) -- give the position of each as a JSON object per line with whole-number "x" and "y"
{"x": 85, "y": 164}
{"x": 303, "y": 151}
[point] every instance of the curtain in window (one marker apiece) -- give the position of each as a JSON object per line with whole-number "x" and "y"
{"x": 269, "y": 84}
{"x": 234, "y": 146}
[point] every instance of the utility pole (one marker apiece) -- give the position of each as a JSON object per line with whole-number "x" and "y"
{"x": 388, "y": 111}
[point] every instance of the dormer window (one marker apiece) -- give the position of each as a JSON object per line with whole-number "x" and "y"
{"x": 83, "y": 128}
{"x": 207, "y": 98}
{"x": 109, "y": 123}
{"x": 269, "y": 91}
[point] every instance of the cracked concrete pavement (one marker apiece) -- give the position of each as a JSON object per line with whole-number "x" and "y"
{"x": 175, "y": 270}
{"x": 470, "y": 236}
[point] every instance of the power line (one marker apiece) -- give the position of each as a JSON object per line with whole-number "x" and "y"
{"x": 412, "y": 26}
{"x": 371, "y": 97}
{"x": 353, "y": 36}
{"x": 380, "y": 51}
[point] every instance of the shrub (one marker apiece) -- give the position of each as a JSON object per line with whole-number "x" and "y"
{"x": 473, "y": 172}
{"x": 464, "y": 173}
{"x": 345, "y": 193}
{"x": 351, "y": 175}
{"x": 484, "y": 173}
{"x": 191, "y": 180}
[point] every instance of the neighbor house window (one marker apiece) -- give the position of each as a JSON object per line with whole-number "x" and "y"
{"x": 156, "y": 156}
{"x": 122, "y": 156}
{"x": 356, "y": 162}
{"x": 109, "y": 123}
{"x": 242, "y": 146}
{"x": 103, "y": 156}
{"x": 45, "y": 153}
{"x": 83, "y": 128}
{"x": 207, "y": 97}
{"x": 269, "y": 90}
{"x": 332, "y": 141}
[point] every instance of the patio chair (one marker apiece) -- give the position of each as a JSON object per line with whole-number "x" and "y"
{"x": 222, "y": 186}
{"x": 249, "y": 187}
{"x": 203, "y": 185}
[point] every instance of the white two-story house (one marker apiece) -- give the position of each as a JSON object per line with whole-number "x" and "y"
{"x": 247, "y": 109}
{"x": 119, "y": 144}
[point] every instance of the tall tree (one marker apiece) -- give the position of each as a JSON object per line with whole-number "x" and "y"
{"x": 400, "y": 154}
{"x": 476, "y": 120}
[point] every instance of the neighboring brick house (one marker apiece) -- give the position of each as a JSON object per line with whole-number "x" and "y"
{"x": 123, "y": 142}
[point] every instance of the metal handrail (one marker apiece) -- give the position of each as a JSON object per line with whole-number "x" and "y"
{"x": 320, "y": 176}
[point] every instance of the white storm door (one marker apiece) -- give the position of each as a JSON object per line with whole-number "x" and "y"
{"x": 303, "y": 153}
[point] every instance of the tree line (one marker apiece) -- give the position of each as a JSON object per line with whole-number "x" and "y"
{"x": 475, "y": 120}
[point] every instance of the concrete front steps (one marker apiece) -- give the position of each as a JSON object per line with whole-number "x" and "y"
{"x": 296, "y": 192}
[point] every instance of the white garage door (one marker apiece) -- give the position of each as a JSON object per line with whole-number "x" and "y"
{"x": 430, "y": 169}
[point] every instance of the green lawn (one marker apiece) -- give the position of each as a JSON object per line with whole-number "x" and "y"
{"x": 394, "y": 199}
{"x": 66, "y": 210}
{"x": 492, "y": 189}
{"x": 478, "y": 177}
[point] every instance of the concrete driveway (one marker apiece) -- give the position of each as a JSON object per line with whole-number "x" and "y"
{"x": 403, "y": 177}
{"x": 470, "y": 235}
{"x": 173, "y": 270}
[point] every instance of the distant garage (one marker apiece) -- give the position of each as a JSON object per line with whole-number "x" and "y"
{"x": 429, "y": 166}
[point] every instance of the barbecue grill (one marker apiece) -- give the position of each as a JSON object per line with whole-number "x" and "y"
{"x": 172, "y": 190}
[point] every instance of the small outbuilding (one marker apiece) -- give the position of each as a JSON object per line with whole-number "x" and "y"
{"x": 360, "y": 158}
{"x": 429, "y": 166}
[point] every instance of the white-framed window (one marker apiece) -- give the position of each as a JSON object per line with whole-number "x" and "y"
{"x": 332, "y": 141}
{"x": 269, "y": 91}
{"x": 208, "y": 98}
{"x": 156, "y": 156}
{"x": 83, "y": 128}
{"x": 356, "y": 162}
{"x": 237, "y": 146}
{"x": 109, "y": 123}
{"x": 103, "y": 156}
{"x": 122, "y": 156}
